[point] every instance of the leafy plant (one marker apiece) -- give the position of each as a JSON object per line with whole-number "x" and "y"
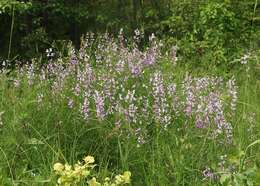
{"x": 244, "y": 175}
{"x": 81, "y": 172}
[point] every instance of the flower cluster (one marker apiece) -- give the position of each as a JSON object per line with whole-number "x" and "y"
{"x": 73, "y": 175}
{"x": 118, "y": 180}
{"x": 128, "y": 84}
{"x": 204, "y": 102}
{"x": 69, "y": 175}
{"x": 208, "y": 174}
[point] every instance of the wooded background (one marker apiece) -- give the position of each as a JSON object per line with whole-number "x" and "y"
{"x": 32, "y": 26}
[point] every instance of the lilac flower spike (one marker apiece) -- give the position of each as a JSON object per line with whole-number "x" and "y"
{"x": 207, "y": 173}
{"x": 232, "y": 88}
{"x": 70, "y": 103}
{"x": 85, "y": 108}
{"x": 100, "y": 105}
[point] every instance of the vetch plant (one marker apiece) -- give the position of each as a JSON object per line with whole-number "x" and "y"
{"x": 235, "y": 170}
{"x": 107, "y": 85}
{"x": 166, "y": 122}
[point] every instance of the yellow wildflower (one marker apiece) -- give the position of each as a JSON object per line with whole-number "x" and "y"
{"x": 58, "y": 167}
{"x": 89, "y": 159}
{"x": 126, "y": 176}
{"x": 68, "y": 167}
{"x": 119, "y": 179}
{"x": 73, "y": 175}
{"x": 93, "y": 182}
{"x": 123, "y": 179}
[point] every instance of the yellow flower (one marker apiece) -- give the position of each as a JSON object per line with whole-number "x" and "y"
{"x": 85, "y": 173}
{"x": 72, "y": 175}
{"x": 126, "y": 176}
{"x": 89, "y": 159}
{"x": 119, "y": 179}
{"x": 68, "y": 167}
{"x": 122, "y": 179}
{"x": 77, "y": 167}
{"x": 107, "y": 179}
{"x": 59, "y": 181}
{"x": 93, "y": 182}
{"x": 58, "y": 167}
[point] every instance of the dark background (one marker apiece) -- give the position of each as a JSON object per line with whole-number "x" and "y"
{"x": 202, "y": 24}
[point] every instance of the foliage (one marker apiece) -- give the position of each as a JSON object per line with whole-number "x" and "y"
{"x": 6, "y": 6}
{"x": 235, "y": 172}
{"x": 134, "y": 108}
{"x": 69, "y": 175}
{"x": 215, "y": 32}
{"x": 213, "y": 29}
{"x": 176, "y": 104}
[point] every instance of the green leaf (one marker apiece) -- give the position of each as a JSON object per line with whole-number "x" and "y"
{"x": 34, "y": 141}
{"x": 225, "y": 178}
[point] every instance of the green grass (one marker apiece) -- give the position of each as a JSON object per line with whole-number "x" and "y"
{"x": 34, "y": 136}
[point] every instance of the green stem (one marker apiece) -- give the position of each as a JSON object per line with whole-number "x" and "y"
{"x": 254, "y": 11}
{"x": 11, "y": 33}
{"x": 242, "y": 161}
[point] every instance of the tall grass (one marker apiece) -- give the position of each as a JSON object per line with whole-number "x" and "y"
{"x": 135, "y": 110}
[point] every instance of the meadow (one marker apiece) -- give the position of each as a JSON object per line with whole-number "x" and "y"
{"x": 144, "y": 110}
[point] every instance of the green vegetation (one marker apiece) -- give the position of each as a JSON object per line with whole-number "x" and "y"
{"x": 176, "y": 102}
{"x": 212, "y": 27}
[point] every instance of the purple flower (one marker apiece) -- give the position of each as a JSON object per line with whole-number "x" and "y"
{"x": 16, "y": 83}
{"x": 100, "y": 105}
{"x": 190, "y": 97}
{"x": 150, "y": 57}
{"x": 232, "y": 89}
{"x": 207, "y": 173}
{"x": 73, "y": 57}
{"x": 74, "y": 60}
{"x": 70, "y": 103}
{"x": 161, "y": 108}
{"x": 135, "y": 69}
{"x": 30, "y": 74}
{"x": 199, "y": 122}
{"x": 120, "y": 66}
{"x": 77, "y": 90}
{"x": 85, "y": 108}
{"x": 131, "y": 110}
